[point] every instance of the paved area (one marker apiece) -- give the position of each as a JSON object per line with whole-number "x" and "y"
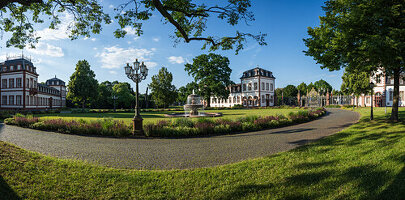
{"x": 177, "y": 153}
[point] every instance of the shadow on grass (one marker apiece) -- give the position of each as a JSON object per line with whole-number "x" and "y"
{"x": 6, "y": 192}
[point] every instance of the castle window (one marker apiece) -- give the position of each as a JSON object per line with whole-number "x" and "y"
{"x": 18, "y": 100}
{"x": 249, "y": 86}
{"x": 4, "y": 83}
{"x": 4, "y": 100}
{"x": 271, "y": 86}
{"x": 262, "y": 86}
{"x": 255, "y": 86}
{"x": 263, "y": 100}
{"x": 391, "y": 94}
{"x": 18, "y": 67}
{"x": 244, "y": 87}
{"x": 11, "y": 68}
{"x": 18, "y": 82}
{"x": 267, "y": 86}
{"x": 11, "y": 82}
{"x": 11, "y": 99}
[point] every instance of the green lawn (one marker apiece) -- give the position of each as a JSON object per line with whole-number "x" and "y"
{"x": 155, "y": 116}
{"x": 365, "y": 161}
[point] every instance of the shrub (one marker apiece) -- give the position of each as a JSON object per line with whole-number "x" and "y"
{"x": 181, "y": 127}
{"x": 183, "y": 122}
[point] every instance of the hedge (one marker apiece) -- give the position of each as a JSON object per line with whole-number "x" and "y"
{"x": 179, "y": 127}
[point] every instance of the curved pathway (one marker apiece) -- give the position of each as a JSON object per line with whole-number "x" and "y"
{"x": 184, "y": 153}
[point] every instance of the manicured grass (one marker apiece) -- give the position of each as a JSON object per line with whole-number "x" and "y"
{"x": 156, "y": 116}
{"x": 365, "y": 161}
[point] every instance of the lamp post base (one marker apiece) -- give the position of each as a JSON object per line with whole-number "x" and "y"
{"x": 137, "y": 126}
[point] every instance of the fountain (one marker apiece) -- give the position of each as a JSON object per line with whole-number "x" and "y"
{"x": 191, "y": 109}
{"x": 194, "y": 102}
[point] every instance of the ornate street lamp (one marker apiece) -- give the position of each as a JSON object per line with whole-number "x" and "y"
{"x": 372, "y": 91}
{"x": 137, "y": 73}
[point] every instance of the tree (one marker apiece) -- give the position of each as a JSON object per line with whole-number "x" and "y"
{"x": 355, "y": 83}
{"x": 104, "y": 96}
{"x": 212, "y": 74}
{"x": 82, "y": 85}
{"x": 302, "y": 88}
{"x": 124, "y": 96}
{"x": 290, "y": 91}
{"x": 188, "y": 18}
{"x": 184, "y": 91}
{"x": 361, "y": 35}
{"x": 310, "y": 86}
{"x": 19, "y": 17}
{"x": 163, "y": 92}
{"x": 323, "y": 85}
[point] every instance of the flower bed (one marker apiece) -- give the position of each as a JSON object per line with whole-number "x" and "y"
{"x": 180, "y": 127}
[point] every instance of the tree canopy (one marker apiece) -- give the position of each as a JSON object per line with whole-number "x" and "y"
{"x": 322, "y": 86}
{"x": 212, "y": 74}
{"x": 163, "y": 92}
{"x": 184, "y": 91}
{"x": 189, "y": 19}
{"x": 19, "y": 17}
{"x": 302, "y": 88}
{"x": 361, "y": 35}
{"x": 82, "y": 86}
{"x": 290, "y": 91}
{"x": 356, "y": 83}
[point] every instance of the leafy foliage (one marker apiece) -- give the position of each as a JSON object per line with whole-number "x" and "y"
{"x": 184, "y": 91}
{"x": 82, "y": 85}
{"x": 163, "y": 92}
{"x": 361, "y": 35}
{"x": 356, "y": 83}
{"x": 212, "y": 74}
{"x": 188, "y": 18}
{"x": 19, "y": 17}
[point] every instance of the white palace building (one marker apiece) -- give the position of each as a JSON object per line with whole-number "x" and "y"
{"x": 255, "y": 90}
{"x": 383, "y": 91}
{"x": 20, "y": 89}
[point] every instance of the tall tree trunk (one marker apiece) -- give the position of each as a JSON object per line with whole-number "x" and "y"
{"x": 394, "y": 113}
{"x": 208, "y": 101}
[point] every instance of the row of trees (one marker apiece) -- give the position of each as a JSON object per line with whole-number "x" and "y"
{"x": 211, "y": 75}
{"x": 361, "y": 36}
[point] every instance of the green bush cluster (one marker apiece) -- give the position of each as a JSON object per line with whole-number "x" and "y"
{"x": 106, "y": 127}
{"x": 179, "y": 127}
{"x": 185, "y": 127}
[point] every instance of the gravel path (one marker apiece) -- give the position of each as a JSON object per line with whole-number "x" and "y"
{"x": 185, "y": 153}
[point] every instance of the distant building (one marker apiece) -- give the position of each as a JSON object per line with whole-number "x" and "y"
{"x": 20, "y": 88}
{"x": 383, "y": 91}
{"x": 255, "y": 90}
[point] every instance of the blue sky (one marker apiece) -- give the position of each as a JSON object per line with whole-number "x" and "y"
{"x": 285, "y": 23}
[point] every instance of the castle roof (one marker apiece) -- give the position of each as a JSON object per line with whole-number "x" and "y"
{"x": 257, "y": 72}
{"x": 55, "y": 81}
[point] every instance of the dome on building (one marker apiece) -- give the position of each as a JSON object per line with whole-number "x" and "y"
{"x": 55, "y": 81}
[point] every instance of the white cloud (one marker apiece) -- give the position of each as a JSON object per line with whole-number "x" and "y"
{"x": 130, "y": 30}
{"x": 115, "y": 57}
{"x": 46, "y": 49}
{"x": 112, "y": 72}
{"x": 156, "y": 39}
{"x": 174, "y": 59}
{"x": 93, "y": 39}
{"x": 60, "y": 32}
{"x": 150, "y": 64}
{"x": 94, "y": 48}
{"x": 111, "y": 6}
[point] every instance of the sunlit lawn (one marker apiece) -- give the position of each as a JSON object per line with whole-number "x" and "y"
{"x": 365, "y": 161}
{"x": 155, "y": 116}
